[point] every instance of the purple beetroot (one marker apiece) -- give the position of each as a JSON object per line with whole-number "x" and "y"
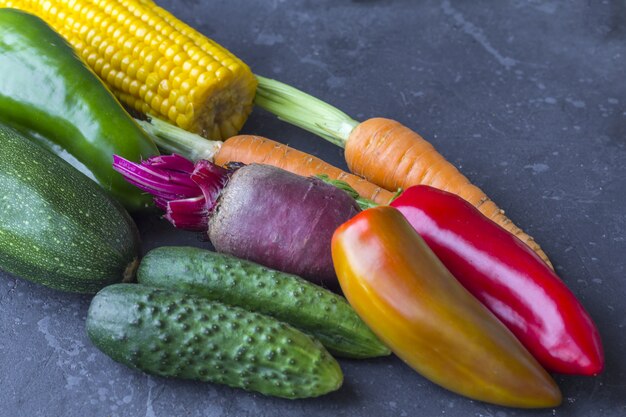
{"x": 256, "y": 212}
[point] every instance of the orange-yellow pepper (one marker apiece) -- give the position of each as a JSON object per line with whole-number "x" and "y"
{"x": 423, "y": 314}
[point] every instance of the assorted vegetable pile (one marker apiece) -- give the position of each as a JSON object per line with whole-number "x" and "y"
{"x": 53, "y": 97}
{"x": 430, "y": 267}
{"x": 382, "y": 151}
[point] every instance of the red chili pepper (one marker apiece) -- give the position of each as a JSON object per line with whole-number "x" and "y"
{"x": 508, "y": 278}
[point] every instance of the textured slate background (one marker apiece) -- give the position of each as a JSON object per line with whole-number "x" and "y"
{"x": 527, "y": 97}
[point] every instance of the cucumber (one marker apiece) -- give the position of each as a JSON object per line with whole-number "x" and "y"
{"x": 173, "y": 334}
{"x": 312, "y": 309}
{"x": 57, "y": 227}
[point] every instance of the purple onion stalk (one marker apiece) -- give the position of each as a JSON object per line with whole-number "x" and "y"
{"x": 187, "y": 192}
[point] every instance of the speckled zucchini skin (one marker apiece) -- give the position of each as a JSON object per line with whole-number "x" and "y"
{"x": 173, "y": 334}
{"x": 57, "y": 227}
{"x": 312, "y": 309}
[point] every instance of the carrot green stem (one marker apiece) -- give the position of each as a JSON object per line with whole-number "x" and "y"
{"x": 173, "y": 139}
{"x": 305, "y": 111}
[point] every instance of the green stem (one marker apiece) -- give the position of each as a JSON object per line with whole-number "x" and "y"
{"x": 364, "y": 203}
{"x": 305, "y": 111}
{"x": 173, "y": 139}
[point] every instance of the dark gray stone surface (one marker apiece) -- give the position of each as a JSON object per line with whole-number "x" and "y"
{"x": 528, "y": 97}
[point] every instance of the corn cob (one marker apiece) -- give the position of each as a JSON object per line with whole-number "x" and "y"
{"x": 153, "y": 62}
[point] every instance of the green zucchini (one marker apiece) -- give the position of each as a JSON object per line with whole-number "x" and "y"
{"x": 173, "y": 334}
{"x": 312, "y": 309}
{"x": 57, "y": 227}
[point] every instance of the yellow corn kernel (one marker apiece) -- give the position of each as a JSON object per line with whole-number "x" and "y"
{"x": 153, "y": 62}
{"x": 172, "y": 113}
{"x": 164, "y": 68}
{"x": 125, "y": 84}
{"x": 165, "y": 106}
{"x": 133, "y": 89}
{"x": 164, "y": 88}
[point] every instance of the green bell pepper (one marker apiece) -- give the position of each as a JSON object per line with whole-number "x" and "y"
{"x": 48, "y": 92}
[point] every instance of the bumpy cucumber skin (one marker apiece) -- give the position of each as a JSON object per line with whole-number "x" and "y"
{"x": 173, "y": 334}
{"x": 57, "y": 227}
{"x": 312, "y": 309}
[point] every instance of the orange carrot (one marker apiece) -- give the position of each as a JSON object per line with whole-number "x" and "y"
{"x": 382, "y": 151}
{"x": 256, "y": 149}
{"x": 393, "y": 156}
